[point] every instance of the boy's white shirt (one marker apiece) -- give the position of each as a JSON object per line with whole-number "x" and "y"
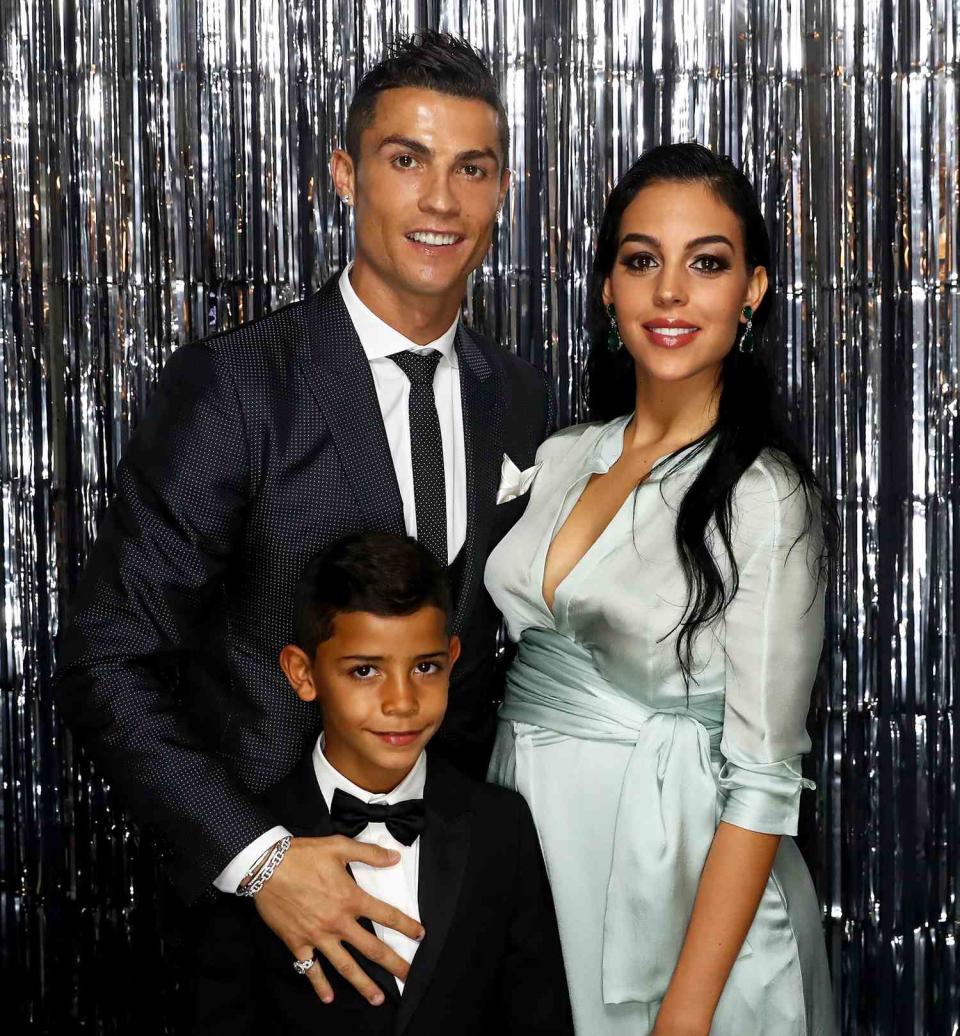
{"x": 395, "y": 885}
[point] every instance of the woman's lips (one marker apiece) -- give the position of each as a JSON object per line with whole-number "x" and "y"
{"x": 673, "y": 336}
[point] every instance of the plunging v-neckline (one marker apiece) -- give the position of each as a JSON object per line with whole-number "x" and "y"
{"x": 558, "y": 526}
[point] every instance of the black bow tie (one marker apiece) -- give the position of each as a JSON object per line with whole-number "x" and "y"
{"x": 350, "y": 816}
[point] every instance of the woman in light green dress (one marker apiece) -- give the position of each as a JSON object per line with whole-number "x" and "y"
{"x": 665, "y": 590}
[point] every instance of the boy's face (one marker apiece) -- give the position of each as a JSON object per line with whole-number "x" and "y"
{"x": 426, "y": 191}
{"x": 381, "y": 683}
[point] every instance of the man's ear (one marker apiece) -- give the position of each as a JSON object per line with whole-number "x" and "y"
{"x": 344, "y": 175}
{"x": 298, "y": 670}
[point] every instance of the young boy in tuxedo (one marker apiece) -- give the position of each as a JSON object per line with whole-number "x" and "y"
{"x": 374, "y": 652}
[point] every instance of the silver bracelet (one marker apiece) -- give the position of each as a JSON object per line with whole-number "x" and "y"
{"x": 277, "y": 853}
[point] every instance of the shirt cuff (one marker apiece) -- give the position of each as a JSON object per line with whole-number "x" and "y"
{"x": 228, "y": 880}
{"x": 763, "y": 797}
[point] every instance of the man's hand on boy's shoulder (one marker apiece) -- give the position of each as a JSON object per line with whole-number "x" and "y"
{"x": 311, "y": 901}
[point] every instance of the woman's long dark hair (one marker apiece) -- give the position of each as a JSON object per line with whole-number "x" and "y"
{"x": 751, "y": 416}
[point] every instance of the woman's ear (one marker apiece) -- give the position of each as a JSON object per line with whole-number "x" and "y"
{"x": 756, "y": 289}
{"x": 606, "y": 293}
{"x": 298, "y": 670}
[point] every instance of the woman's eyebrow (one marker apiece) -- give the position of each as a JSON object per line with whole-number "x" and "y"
{"x": 707, "y": 239}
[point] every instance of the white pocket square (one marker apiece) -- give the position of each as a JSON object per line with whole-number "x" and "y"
{"x": 513, "y": 481}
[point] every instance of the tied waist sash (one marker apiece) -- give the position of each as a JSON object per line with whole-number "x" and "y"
{"x": 667, "y": 810}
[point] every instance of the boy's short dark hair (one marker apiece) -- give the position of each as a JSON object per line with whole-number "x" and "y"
{"x": 376, "y": 572}
{"x": 429, "y": 61}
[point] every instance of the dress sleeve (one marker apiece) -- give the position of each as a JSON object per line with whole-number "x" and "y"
{"x": 773, "y": 639}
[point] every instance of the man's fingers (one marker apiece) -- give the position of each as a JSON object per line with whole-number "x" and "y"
{"x": 315, "y": 973}
{"x": 389, "y": 917}
{"x": 379, "y": 952}
{"x": 374, "y": 855}
{"x": 352, "y": 972}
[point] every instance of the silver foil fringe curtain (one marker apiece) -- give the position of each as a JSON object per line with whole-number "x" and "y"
{"x": 163, "y": 175}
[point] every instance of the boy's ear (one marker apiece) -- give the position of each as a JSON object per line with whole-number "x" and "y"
{"x": 454, "y": 650}
{"x": 298, "y": 670}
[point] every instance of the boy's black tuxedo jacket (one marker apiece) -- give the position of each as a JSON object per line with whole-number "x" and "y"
{"x": 490, "y": 962}
{"x": 261, "y": 446}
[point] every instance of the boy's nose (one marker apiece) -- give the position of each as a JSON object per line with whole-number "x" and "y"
{"x": 400, "y": 699}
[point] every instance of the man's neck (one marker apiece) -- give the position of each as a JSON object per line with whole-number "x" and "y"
{"x": 421, "y": 318}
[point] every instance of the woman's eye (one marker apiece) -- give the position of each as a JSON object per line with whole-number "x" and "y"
{"x": 709, "y": 264}
{"x": 640, "y": 261}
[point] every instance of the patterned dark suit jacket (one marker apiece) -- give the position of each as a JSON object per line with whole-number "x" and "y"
{"x": 261, "y": 446}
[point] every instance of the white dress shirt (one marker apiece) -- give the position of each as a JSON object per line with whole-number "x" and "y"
{"x": 395, "y": 885}
{"x": 379, "y": 340}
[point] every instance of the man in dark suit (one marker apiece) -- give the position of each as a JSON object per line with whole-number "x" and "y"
{"x": 374, "y": 652}
{"x": 367, "y": 406}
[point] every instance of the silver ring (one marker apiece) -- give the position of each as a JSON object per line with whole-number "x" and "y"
{"x": 301, "y": 967}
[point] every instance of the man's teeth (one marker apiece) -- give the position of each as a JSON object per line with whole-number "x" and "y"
{"x": 673, "y": 332}
{"x": 433, "y": 239}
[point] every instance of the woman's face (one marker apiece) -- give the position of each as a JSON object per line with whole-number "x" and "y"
{"x": 680, "y": 281}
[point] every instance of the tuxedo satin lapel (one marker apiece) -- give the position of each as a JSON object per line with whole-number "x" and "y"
{"x": 444, "y": 847}
{"x": 483, "y": 448}
{"x": 298, "y": 801}
{"x": 338, "y": 373}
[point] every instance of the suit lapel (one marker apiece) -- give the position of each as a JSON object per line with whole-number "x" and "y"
{"x": 299, "y": 802}
{"x": 444, "y": 848}
{"x": 339, "y": 376}
{"x": 483, "y": 447}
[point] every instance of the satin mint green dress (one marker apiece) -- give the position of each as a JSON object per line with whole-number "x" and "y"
{"x": 626, "y": 773}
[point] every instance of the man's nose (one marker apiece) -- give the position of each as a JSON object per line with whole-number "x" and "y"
{"x": 439, "y": 195}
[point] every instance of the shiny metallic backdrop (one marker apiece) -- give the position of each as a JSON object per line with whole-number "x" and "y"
{"x": 163, "y": 175}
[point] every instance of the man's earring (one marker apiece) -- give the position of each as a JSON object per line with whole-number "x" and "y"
{"x": 614, "y": 341}
{"x": 747, "y": 341}
{"x": 348, "y": 199}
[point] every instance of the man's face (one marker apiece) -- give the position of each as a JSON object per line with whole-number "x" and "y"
{"x": 381, "y": 682}
{"x": 426, "y": 191}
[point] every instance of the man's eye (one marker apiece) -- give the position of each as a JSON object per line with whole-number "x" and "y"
{"x": 405, "y": 161}
{"x": 474, "y": 171}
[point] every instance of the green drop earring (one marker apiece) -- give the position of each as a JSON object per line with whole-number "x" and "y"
{"x": 614, "y": 341}
{"x": 747, "y": 340}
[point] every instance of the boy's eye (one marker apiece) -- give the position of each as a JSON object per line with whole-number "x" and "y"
{"x": 362, "y": 672}
{"x": 428, "y": 667}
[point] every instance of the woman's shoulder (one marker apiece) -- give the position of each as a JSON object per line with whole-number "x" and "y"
{"x": 772, "y": 498}
{"x": 573, "y": 439}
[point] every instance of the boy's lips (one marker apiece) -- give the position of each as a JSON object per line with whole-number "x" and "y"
{"x": 397, "y": 738}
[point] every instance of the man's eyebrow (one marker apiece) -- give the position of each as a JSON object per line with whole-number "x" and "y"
{"x": 476, "y": 153}
{"x": 408, "y": 142}
{"x": 707, "y": 239}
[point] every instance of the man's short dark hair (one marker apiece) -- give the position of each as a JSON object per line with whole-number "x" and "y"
{"x": 428, "y": 61}
{"x": 376, "y": 572}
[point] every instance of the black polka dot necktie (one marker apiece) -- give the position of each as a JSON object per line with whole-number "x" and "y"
{"x": 426, "y": 451}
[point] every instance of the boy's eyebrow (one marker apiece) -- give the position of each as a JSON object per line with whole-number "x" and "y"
{"x": 381, "y": 658}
